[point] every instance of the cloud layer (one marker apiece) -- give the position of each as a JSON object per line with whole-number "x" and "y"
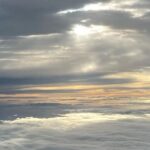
{"x": 77, "y": 131}
{"x": 112, "y": 124}
{"x": 73, "y": 41}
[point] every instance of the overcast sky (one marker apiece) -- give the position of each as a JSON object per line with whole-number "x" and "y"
{"x": 48, "y": 45}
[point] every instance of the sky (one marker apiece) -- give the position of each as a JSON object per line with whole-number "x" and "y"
{"x": 66, "y": 50}
{"x": 74, "y": 74}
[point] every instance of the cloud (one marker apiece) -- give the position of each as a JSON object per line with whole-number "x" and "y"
{"x": 40, "y": 45}
{"x": 34, "y": 17}
{"x": 60, "y": 126}
{"x": 77, "y": 131}
{"x": 77, "y": 52}
{"x": 11, "y": 112}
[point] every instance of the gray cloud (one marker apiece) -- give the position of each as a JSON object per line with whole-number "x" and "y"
{"x": 17, "y": 85}
{"x": 38, "y": 46}
{"x": 11, "y": 112}
{"x": 41, "y": 47}
{"x": 34, "y": 17}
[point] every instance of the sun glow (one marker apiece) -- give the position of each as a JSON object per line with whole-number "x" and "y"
{"x": 81, "y": 30}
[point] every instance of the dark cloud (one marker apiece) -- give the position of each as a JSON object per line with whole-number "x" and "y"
{"x": 87, "y": 78}
{"x": 35, "y": 16}
{"x": 117, "y": 19}
{"x": 11, "y": 112}
{"x": 39, "y": 46}
{"x": 14, "y": 85}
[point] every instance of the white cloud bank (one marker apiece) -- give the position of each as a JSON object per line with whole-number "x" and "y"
{"x": 77, "y": 131}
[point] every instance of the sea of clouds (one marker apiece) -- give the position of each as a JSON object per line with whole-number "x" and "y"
{"x": 73, "y": 128}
